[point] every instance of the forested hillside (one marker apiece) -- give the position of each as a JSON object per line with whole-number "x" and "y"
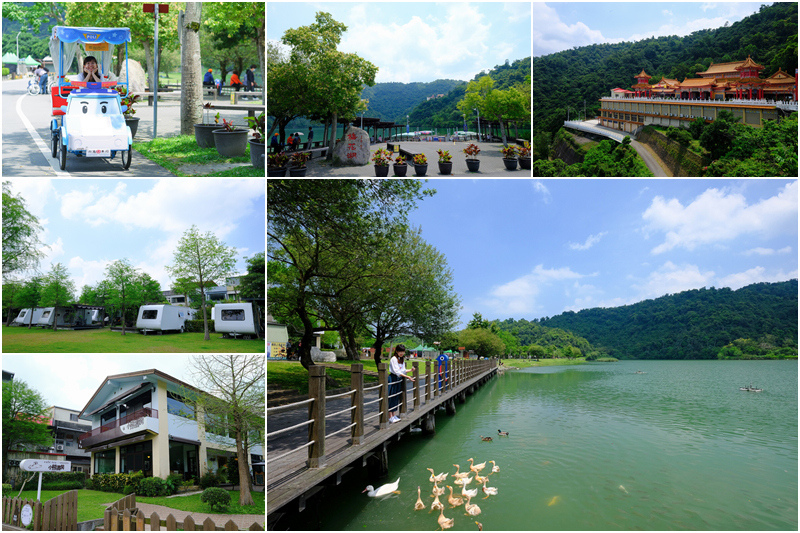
{"x": 393, "y": 101}
{"x": 590, "y": 72}
{"x": 694, "y": 324}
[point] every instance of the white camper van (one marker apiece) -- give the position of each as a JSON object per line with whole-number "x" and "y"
{"x": 24, "y": 317}
{"x": 75, "y": 317}
{"x": 235, "y": 319}
{"x": 163, "y": 317}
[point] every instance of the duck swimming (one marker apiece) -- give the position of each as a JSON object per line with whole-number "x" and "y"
{"x": 472, "y": 508}
{"x": 502, "y": 433}
{"x": 489, "y": 491}
{"x": 419, "y": 505}
{"x": 486, "y": 439}
{"x": 454, "y": 501}
{"x": 383, "y": 490}
{"x": 437, "y": 504}
{"x": 436, "y": 479}
{"x": 480, "y": 479}
{"x": 437, "y": 491}
{"x": 444, "y": 522}
{"x": 495, "y": 468}
{"x": 476, "y": 468}
{"x": 463, "y": 481}
{"x": 460, "y": 475}
{"x": 469, "y": 493}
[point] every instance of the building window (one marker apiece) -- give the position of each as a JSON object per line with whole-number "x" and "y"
{"x": 178, "y": 405}
{"x": 232, "y": 314}
{"x": 149, "y": 314}
{"x": 104, "y": 462}
{"x": 73, "y": 418}
{"x": 137, "y": 457}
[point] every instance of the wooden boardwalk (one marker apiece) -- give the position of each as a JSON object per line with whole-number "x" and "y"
{"x": 321, "y": 439}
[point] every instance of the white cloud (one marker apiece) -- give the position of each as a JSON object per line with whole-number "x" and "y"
{"x": 541, "y": 188}
{"x": 90, "y": 272}
{"x": 768, "y": 251}
{"x": 717, "y": 216}
{"x": 517, "y": 11}
{"x": 591, "y": 240}
{"x": 671, "y": 279}
{"x": 550, "y": 34}
{"x": 519, "y": 296}
{"x": 757, "y": 274}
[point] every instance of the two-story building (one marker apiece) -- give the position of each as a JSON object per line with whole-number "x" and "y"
{"x": 151, "y": 421}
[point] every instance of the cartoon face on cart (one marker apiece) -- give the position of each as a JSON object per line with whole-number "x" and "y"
{"x": 94, "y": 123}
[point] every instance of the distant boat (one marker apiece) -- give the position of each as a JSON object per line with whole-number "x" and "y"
{"x": 640, "y": 372}
{"x": 750, "y": 388}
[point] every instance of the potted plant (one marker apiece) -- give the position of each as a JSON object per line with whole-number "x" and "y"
{"x": 473, "y": 163}
{"x": 420, "y": 164}
{"x": 525, "y": 156}
{"x": 128, "y": 100}
{"x": 382, "y": 157}
{"x": 297, "y": 168}
{"x": 510, "y": 157}
{"x": 276, "y": 165}
{"x": 400, "y": 166}
{"x": 230, "y": 140}
{"x": 203, "y": 133}
{"x": 257, "y": 143}
{"x": 445, "y": 162}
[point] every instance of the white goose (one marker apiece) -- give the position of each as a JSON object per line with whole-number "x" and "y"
{"x": 437, "y": 479}
{"x": 469, "y": 493}
{"x": 476, "y": 468}
{"x": 454, "y": 501}
{"x": 495, "y": 468}
{"x": 489, "y": 491}
{"x": 463, "y": 481}
{"x": 419, "y": 505}
{"x": 460, "y": 475}
{"x": 480, "y": 479}
{"x": 437, "y": 504}
{"x": 383, "y": 490}
{"x": 444, "y": 522}
{"x": 437, "y": 490}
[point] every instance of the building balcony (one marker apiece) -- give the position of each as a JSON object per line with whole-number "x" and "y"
{"x": 140, "y": 421}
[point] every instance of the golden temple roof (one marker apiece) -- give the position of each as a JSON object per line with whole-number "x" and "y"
{"x": 643, "y": 74}
{"x": 749, "y": 63}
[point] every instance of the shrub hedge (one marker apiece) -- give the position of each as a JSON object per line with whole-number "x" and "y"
{"x": 196, "y": 326}
{"x": 216, "y": 497}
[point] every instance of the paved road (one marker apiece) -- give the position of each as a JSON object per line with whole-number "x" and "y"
{"x": 26, "y": 138}
{"x": 653, "y": 162}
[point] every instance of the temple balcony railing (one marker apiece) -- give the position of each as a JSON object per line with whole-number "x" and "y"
{"x": 792, "y": 106}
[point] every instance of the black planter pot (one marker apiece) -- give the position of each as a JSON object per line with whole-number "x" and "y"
{"x": 230, "y": 143}
{"x": 204, "y": 136}
{"x": 400, "y": 170}
{"x": 297, "y": 172}
{"x": 511, "y": 164}
{"x": 445, "y": 168}
{"x": 257, "y": 153}
{"x": 473, "y": 165}
{"x": 276, "y": 172}
{"x": 525, "y": 163}
{"x": 381, "y": 171}
{"x": 133, "y": 123}
{"x": 420, "y": 170}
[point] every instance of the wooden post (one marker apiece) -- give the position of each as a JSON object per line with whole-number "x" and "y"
{"x": 428, "y": 381}
{"x": 383, "y": 378}
{"x": 403, "y": 396}
{"x": 316, "y": 412}
{"x": 415, "y": 366}
{"x": 357, "y": 400}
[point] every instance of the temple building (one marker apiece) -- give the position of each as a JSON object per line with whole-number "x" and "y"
{"x": 734, "y": 86}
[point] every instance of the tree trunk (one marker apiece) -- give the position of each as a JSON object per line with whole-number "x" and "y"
{"x": 191, "y": 72}
{"x": 148, "y": 63}
{"x": 351, "y": 348}
{"x": 378, "y": 349}
{"x": 245, "y": 498}
{"x": 329, "y": 157}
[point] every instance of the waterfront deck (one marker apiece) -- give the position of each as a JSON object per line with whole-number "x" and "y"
{"x": 316, "y": 441}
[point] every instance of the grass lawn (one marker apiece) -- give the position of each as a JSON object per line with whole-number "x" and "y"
{"x": 92, "y": 503}
{"x": 20, "y": 340}
{"x": 175, "y": 152}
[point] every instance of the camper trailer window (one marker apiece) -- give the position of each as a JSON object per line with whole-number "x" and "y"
{"x": 232, "y": 314}
{"x": 23, "y": 314}
{"x": 149, "y": 314}
{"x": 46, "y": 314}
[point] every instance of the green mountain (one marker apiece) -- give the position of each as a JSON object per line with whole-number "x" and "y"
{"x": 393, "y": 101}
{"x": 694, "y": 324}
{"x": 589, "y": 72}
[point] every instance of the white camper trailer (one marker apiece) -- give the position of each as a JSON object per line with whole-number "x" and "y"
{"x": 74, "y": 317}
{"x": 236, "y": 319}
{"x": 163, "y": 317}
{"x": 25, "y": 317}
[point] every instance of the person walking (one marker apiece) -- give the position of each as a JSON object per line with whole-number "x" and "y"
{"x": 310, "y": 138}
{"x": 397, "y": 371}
{"x": 250, "y": 80}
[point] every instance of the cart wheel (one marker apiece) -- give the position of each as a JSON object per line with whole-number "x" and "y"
{"x": 55, "y": 138}
{"x": 126, "y": 161}
{"x": 63, "y": 161}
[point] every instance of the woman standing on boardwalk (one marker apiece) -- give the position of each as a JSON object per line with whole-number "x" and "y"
{"x": 397, "y": 371}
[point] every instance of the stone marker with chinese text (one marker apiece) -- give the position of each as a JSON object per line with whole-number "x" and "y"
{"x": 354, "y": 148}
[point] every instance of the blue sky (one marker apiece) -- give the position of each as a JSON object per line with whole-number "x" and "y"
{"x": 419, "y": 41}
{"x": 559, "y": 26}
{"x": 89, "y": 224}
{"x": 535, "y": 248}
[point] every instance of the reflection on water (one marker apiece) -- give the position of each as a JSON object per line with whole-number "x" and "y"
{"x": 599, "y": 447}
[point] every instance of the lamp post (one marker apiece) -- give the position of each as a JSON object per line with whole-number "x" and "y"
{"x": 479, "y": 122}
{"x": 406, "y": 124}
{"x": 465, "y": 122}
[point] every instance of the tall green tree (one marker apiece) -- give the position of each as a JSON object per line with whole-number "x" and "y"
{"x": 24, "y": 419}
{"x": 21, "y": 244}
{"x": 28, "y": 296}
{"x": 122, "y": 280}
{"x": 203, "y": 259}
{"x": 58, "y": 289}
{"x": 254, "y": 283}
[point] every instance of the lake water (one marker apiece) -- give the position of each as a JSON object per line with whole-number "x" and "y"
{"x": 600, "y": 447}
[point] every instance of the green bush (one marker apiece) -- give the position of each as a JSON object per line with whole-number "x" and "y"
{"x": 196, "y": 326}
{"x": 127, "y": 489}
{"x": 208, "y": 480}
{"x": 115, "y": 482}
{"x": 215, "y": 496}
{"x": 62, "y": 485}
{"x": 6, "y": 71}
{"x": 174, "y": 481}
{"x": 89, "y": 485}
{"x": 153, "y": 486}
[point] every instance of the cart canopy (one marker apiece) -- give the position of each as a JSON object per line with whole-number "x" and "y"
{"x": 64, "y": 43}
{"x": 69, "y": 34}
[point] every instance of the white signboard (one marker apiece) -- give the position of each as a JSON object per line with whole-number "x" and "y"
{"x": 27, "y": 514}
{"x": 38, "y": 465}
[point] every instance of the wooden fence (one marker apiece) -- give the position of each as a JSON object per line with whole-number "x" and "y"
{"x": 123, "y": 515}
{"x": 56, "y": 514}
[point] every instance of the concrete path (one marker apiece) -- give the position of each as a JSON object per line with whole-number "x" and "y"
{"x": 490, "y": 157}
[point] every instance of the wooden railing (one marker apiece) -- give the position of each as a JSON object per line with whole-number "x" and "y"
{"x": 56, "y": 514}
{"x": 123, "y": 515}
{"x": 425, "y": 389}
